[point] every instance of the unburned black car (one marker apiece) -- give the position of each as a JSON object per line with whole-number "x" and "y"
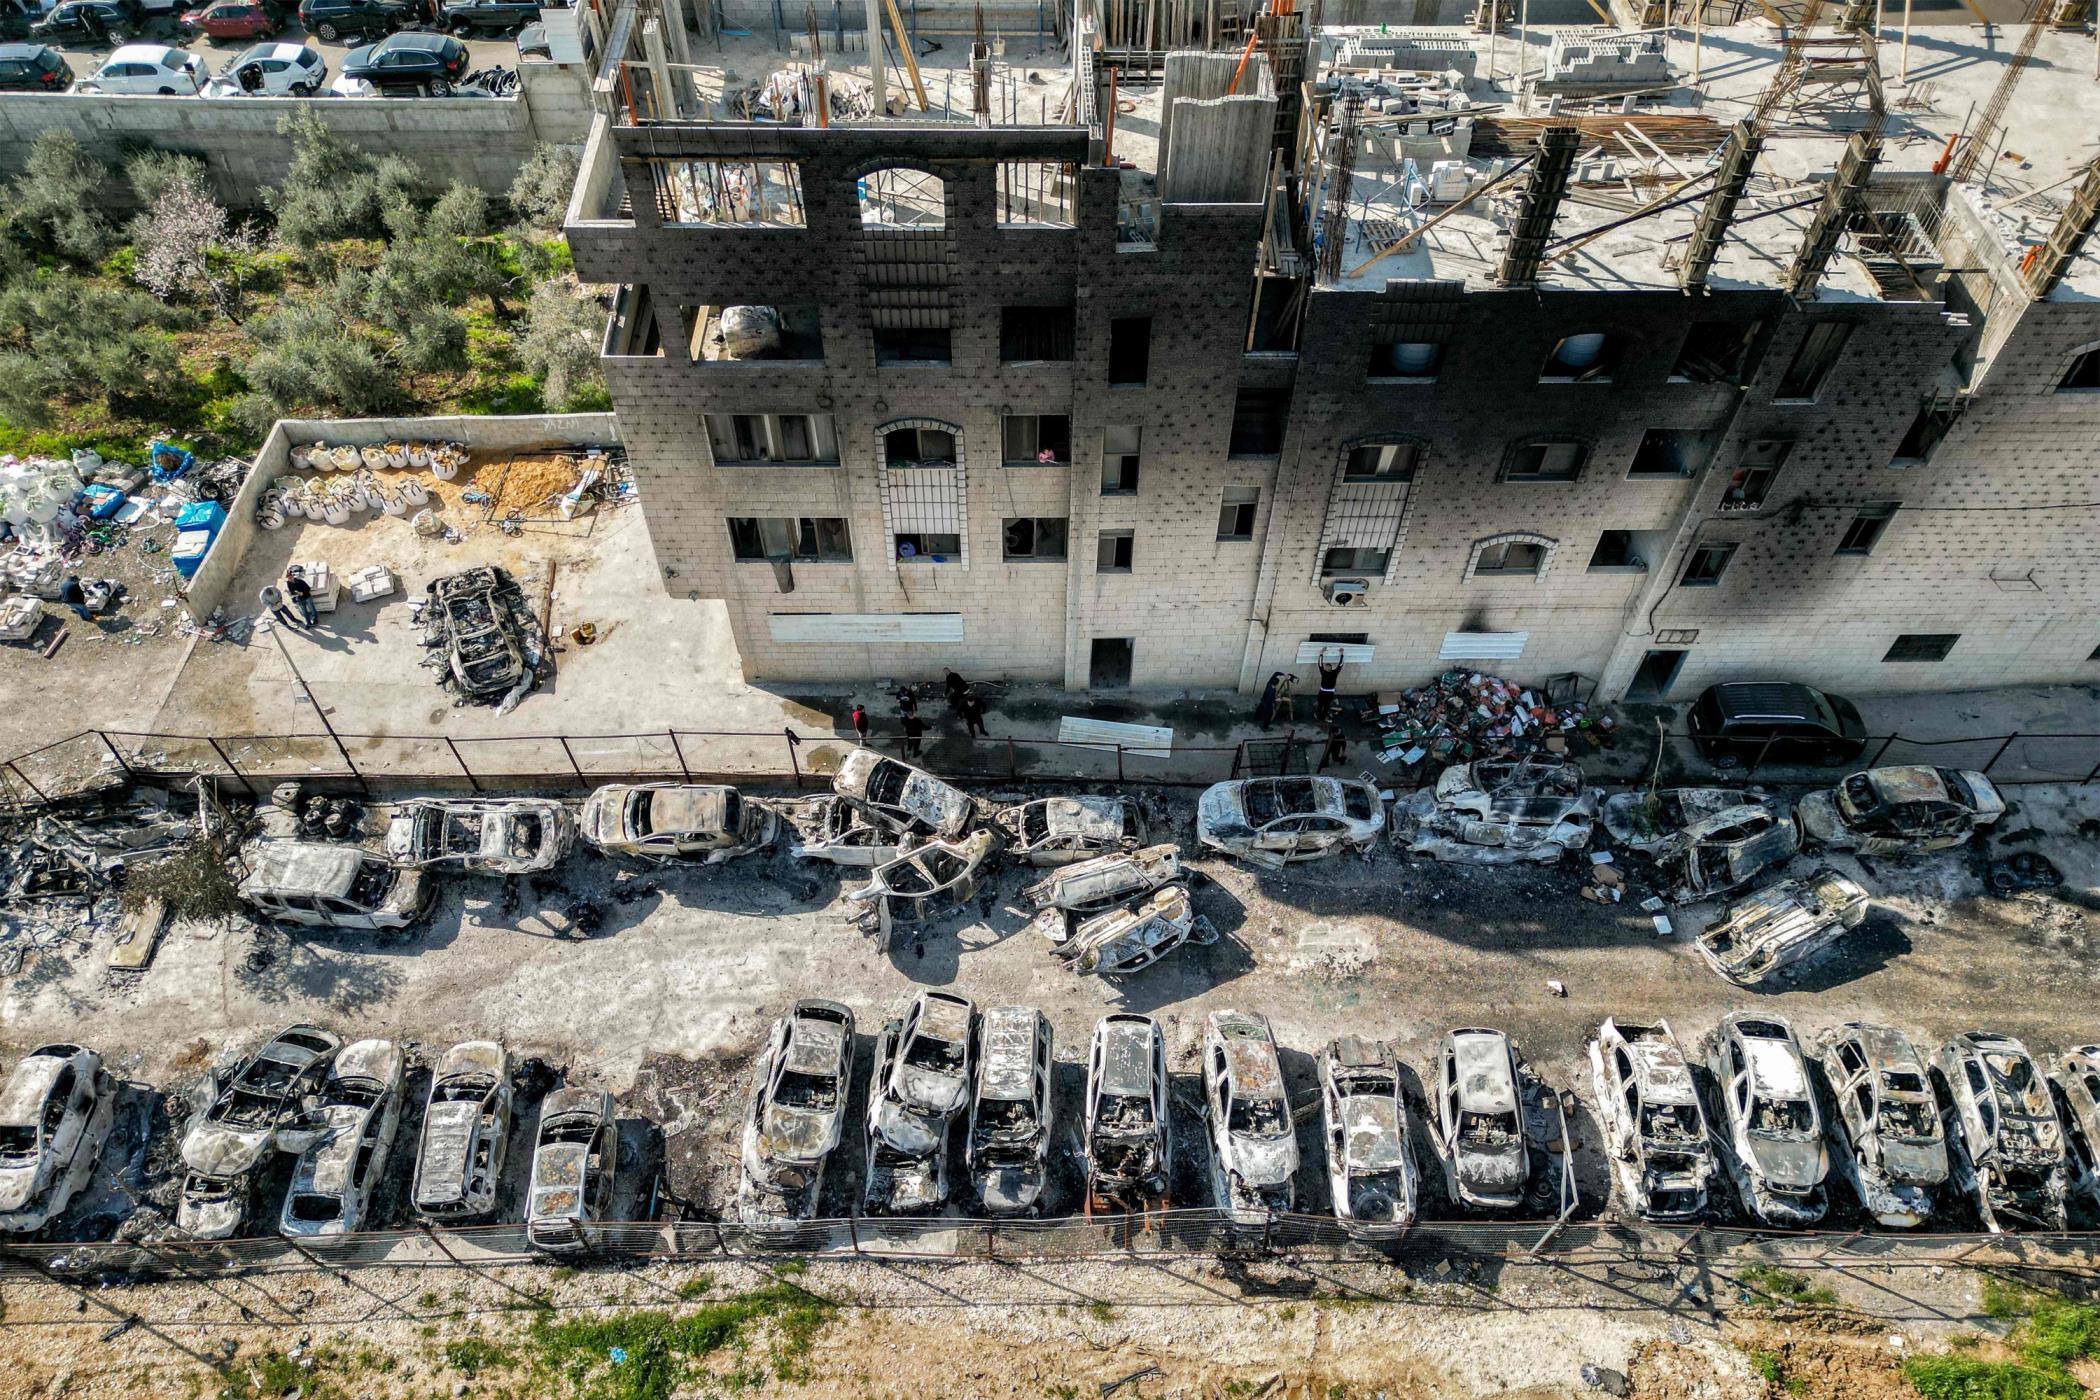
{"x": 331, "y": 20}
{"x": 425, "y": 63}
{"x": 1741, "y": 722}
{"x": 33, "y": 68}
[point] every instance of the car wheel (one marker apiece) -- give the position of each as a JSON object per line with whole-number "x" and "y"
{"x": 1727, "y": 762}
{"x": 437, "y": 87}
{"x": 166, "y": 91}
{"x": 327, "y": 32}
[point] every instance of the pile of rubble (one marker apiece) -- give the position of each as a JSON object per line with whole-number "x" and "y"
{"x": 1467, "y": 715}
{"x": 60, "y": 877}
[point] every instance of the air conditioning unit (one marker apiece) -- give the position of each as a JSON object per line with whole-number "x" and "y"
{"x": 1348, "y": 592}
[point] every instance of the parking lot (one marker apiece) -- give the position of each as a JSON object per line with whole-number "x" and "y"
{"x": 482, "y": 53}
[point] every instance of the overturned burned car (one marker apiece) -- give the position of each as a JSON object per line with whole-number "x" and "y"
{"x": 1726, "y": 851}
{"x": 1010, "y": 1119}
{"x": 922, "y": 1081}
{"x": 835, "y": 830}
{"x": 573, "y": 1166}
{"x": 1253, "y": 1147}
{"x": 1776, "y": 1155}
{"x": 2008, "y": 1152}
{"x": 466, "y": 1132}
{"x": 1654, "y": 1129}
{"x": 1128, "y": 939}
{"x": 1060, "y": 830}
{"x": 1091, "y": 886}
{"x": 490, "y": 638}
{"x": 915, "y": 801}
{"x": 1887, "y": 1124}
{"x": 1648, "y": 822}
{"x": 1900, "y": 811}
{"x": 1127, "y": 1133}
{"x": 676, "y": 821}
{"x": 482, "y": 836}
{"x": 1269, "y": 821}
{"x": 1370, "y": 1156}
{"x": 798, "y": 1112}
{"x": 1782, "y": 925}
{"x": 928, "y": 880}
{"x": 1501, "y": 812}
{"x": 333, "y": 1180}
{"x": 55, "y": 1115}
{"x": 1479, "y": 1120}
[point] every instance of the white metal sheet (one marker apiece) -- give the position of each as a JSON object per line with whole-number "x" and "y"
{"x": 1107, "y": 734}
{"x": 867, "y": 627}
{"x": 1352, "y": 653}
{"x": 1482, "y": 646}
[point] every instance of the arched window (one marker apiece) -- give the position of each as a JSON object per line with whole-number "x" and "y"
{"x": 1514, "y": 555}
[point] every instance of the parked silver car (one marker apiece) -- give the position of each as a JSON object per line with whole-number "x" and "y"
{"x": 1060, "y": 830}
{"x": 1010, "y": 1115}
{"x": 1479, "y": 1120}
{"x": 1900, "y": 811}
{"x": 1654, "y": 1130}
{"x": 2007, "y": 1145}
{"x": 466, "y": 1133}
{"x": 55, "y": 1115}
{"x": 1887, "y": 1123}
{"x": 322, "y": 885}
{"x": 1253, "y": 1147}
{"x": 1501, "y": 812}
{"x": 573, "y": 1169}
{"x": 1776, "y": 1154}
{"x": 676, "y": 821}
{"x": 798, "y": 1112}
{"x": 1370, "y": 1152}
{"x": 1269, "y": 821}
{"x": 1128, "y": 1134}
{"x": 332, "y": 1183}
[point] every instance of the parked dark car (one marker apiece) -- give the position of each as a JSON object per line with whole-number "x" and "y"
{"x": 1741, "y": 722}
{"x": 14, "y": 21}
{"x": 426, "y": 63}
{"x": 330, "y": 20}
{"x": 89, "y": 22}
{"x": 33, "y": 68}
{"x": 488, "y": 16}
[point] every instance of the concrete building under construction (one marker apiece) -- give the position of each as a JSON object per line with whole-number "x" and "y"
{"x": 1197, "y": 343}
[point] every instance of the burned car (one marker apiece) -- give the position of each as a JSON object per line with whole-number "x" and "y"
{"x": 1127, "y": 1133}
{"x": 2075, "y": 1088}
{"x": 922, "y": 1081}
{"x": 798, "y": 1112}
{"x": 835, "y": 830}
{"x": 466, "y": 1132}
{"x": 1776, "y": 1155}
{"x": 1060, "y": 830}
{"x": 1649, "y": 821}
{"x": 1900, "y": 811}
{"x": 1886, "y": 1124}
{"x": 1269, "y": 821}
{"x": 1726, "y": 851}
{"x": 573, "y": 1167}
{"x": 490, "y": 638}
{"x": 482, "y": 836}
{"x": 265, "y": 1094}
{"x": 915, "y": 800}
{"x": 1010, "y": 1122}
{"x": 676, "y": 821}
{"x": 1782, "y": 925}
{"x": 1654, "y": 1129}
{"x": 332, "y": 1183}
{"x": 328, "y": 886}
{"x": 1501, "y": 812}
{"x": 1128, "y": 939}
{"x": 1370, "y": 1155}
{"x": 927, "y": 881}
{"x": 1090, "y": 886}
{"x": 1253, "y": 1147}
{"x": 55, "y": 1114}
{"x": 2006, "y": 1145}
{"x": 1479, "y": 1122}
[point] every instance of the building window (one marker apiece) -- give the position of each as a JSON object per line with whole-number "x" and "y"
{"x": 1036, "y": 538}
{"x": 806, "y": 539}
{"x": 1581, "y": 359}
{"x": 1670, "y": 452}
{"x": 1119, "y": 460}
{"x": 1257, "y": 422}
{"x": 1922, "y": 646}
{"x": 751, "y": 193}
{"x": 1526, "y": 557}
{"x": 1813, "y": 362}
{"x": 1752, "y": 480}
{"x": 1032, "y": 333}
{"x": 918, "y": 447}
{"x": 1129, "y": 351}
{"x": 1923, "y": 435}
{"x": 739, "y": 333}
{"x": 923, "y": 548}
{"x": 2083, "y": 373}
{"x": 1704, "y": 566}
{"x": 1714, "y": 352}
{"x": 1037, "y": 439}
{"x": 1370, "y": 562}
{"x": 902, "y": 198}
{"x": 1236, "y": 514}
{"x": 1865, "y": 530}
{"x": 1036, "y": 192}
{"x": 1113, "y": 555}
{"x": 1621, "y": 552}
{"x": 1546, "y": 459}
{"x": 1405, "y": 359}
{"x": 1382, "y": 461}
{"x": 774, "y": 439}
{"x": 914, "y": 345}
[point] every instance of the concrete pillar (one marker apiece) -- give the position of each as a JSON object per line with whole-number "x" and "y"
{"x": 875, "y": 73}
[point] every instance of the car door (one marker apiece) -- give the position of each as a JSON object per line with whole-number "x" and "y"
{"x": 1279, "y": 837}
{"x": 1318, "y": 835}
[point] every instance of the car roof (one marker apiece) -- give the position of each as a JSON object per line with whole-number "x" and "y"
{"x": 1765, "y": 700}
{"x": 307, "y": 867}
{"x": 1126, "y": 1053}
{"x": 815, "y": 1046}
{"x": 945, "y": 1016}
{"x": 289, "y": 52}
{"x": 23, "y": 1099}
{"x": 24, "y": 50}
{"x": 407, "y": 39}
{"x": 1481, "y": 1067}
{"x": 157, "y": 54}
{"x": 1007, "y": 1070}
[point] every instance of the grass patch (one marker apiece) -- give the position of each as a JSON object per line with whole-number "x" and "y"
{"x": 1782, "y": 1288}
{"x": 660, "y": 1348}
{"x": 1772, "y": 1371}
{"x": 2053, "y": 1332}
{"x": 698, "y": 1286}
{"x": 470, "y": 1356}
{"x": 271, "y": 1374}
{"x": 1100, "y": 1311}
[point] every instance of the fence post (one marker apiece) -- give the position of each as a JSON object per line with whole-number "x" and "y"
{"x": 1762, "y": 750}
{"x": 581, "y": 781}
{"x": 1875, "y": 761}
{"x": 223, "y": 758}
{"x": 1119, "y": 763}
{"x": 2095, "y": 774}
{"x": 794, "y": 742}
{"x": 1013, "y": 762}
{"x": 473, "y": 782}
{"x": 2001, "y": 752}
{"x": 118, "y": 755}
{"x": 853, "y": 1231}
{"x": 685, "y": 774}
{"x": 1268, "y": 1224}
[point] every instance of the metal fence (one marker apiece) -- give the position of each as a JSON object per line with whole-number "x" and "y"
{"x": 1189, "y": 1232}
{"x": 99, "y": 757}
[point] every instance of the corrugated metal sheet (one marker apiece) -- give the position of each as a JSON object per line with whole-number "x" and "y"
{"x": 1352, "y": 654}
{"x": 1482, "y": 646}
{"x": 867, "y": 627}
{"x": 1106, "y": 734}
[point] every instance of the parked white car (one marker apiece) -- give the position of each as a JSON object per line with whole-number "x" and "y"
{"x": 271, "y": 70}
{"x": 148, "y": 69}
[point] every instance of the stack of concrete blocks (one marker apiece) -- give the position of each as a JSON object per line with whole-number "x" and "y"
{"x": 1609, "y": 61}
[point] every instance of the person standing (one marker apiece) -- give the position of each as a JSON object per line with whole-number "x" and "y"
{"x": 1265, "y": 710}
{"x": 72, "y": 595}
{"x": 301, "y": 593}
{"x": 958, "y": 690}
{"x": 1286, "y": 683}
{"x": 860, "y": 724}
{"x": 907, "y": 702}
{"x": 1330, "y": 678}
{"x": 972, "y": 711}
{"x": 270, "y": 598}
{"x": 914, "y": 731}
{"x": 1337, "y": 749}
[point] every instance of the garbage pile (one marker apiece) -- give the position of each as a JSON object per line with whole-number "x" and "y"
{"x": 789, "y": 94}
{"x": 486, "y": 645}
{"x": 1468, "y": 715}
{"x": 60, "y": 877}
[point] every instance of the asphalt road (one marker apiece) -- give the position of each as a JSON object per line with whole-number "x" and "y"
{"x": 496, "y": 52}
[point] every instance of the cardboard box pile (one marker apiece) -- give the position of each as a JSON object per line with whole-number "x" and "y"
{"x": 1466, "y": 715}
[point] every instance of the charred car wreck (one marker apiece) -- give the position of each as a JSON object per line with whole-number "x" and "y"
{"x": 1253, "y": 1148}
{"x": 921, "y": 1083}
{"x": 1060, "y": 830}
{"x": 1498, "y": 813}
{"x": 224, "y": 1144}
{"x": 1131, "y": 938}
{"x": 1010, "y": 1122}
{"x": 466, "y": 1131}
{"x": 1781, "y": 926}
{"x": 1128, "y": 1136}
{"x": 1887, "y": 1124}
{"x": 1776, "y": 1155}
{"x": 927, "y": 881}
{"x": 1900, "y": 811}
{"x": 495, "y": 836}
{"x": 798, "y": 1112}
{"x": 55, "y": 1115}
{"x": 491, "y": 643}
{"x": 1370, "y": 1154}
{"x": 2010, "y": 1147}
{"x": 1271, "y": 821}
{"x": 1654, "y": 1129}
{"x": 1479, "y": 1120}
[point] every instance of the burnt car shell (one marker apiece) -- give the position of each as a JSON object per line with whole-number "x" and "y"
{"x": 263, "y": 1095}
{"x": 1654, "y": 1129}
{"x": 572, "y": 1169}
{"x": 1254, "y": 1148}
{"x": 1090, "y": 886}
{"x": 798, "y": 1111}
{"x": 1480, "y": 1120}
{"x": 1648, "y": 823}
{"x": 2008, "y": 1143}
{"x": 1128, "y": 1133}
{"x": 1726, "y": 851}
{"x": 494, "y": 836}
{"x": 1129, "y": 939}
{"x": 676, "y": 821}
{"x": 1270, "y": 821}
{"x": 904, "y": 793}
{"x": 1010, "y": 1115}
{"x": 1775, "y": 1128}
{"x": 1886, "y": 1122}
{"x": 1783, "y": 925}
{"x": 929, "y": 880}
{"x": 466, "y": 1132}
{"x": 55, "y": 1115}
{"x": 1370, "y": 1158}
{"x": 1060, "y": 830}
{"x": 1900, "y": 811}
{"x": 2075, "y": 1085}
{"x": 1497, "y": 812}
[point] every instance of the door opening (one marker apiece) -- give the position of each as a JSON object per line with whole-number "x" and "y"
{"x": 1655, "y": 675}
{"x": 1109, "y": 666}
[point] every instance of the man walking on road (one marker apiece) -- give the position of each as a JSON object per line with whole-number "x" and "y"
{"x": 860, "y": 724}
{"x": 972, "y": 711}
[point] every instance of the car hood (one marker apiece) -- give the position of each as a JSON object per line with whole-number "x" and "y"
{"x": 359, "y": 58}
{"x": 216, "y": 1150}
{"x": 908, "y": 1132}
{"x": 1914, "y": 1163}
{"x": 557, "y": 1185}
{"x": 925, "y": 1091}
{"x": 1492, "y": 1170}
{"x": 1795, "y": 1165}
{"x": 213, "y": 1219}
{"x": 1221, "y": 813}
{"x": 449, "y": 1133}
{"x": 1010, "y": 1188}
{"x": 1818, "y": 815}
{"x": 796, "y": 1134}
{"x": 17, "y": 1187}
{"x": 1263, "y": 1161}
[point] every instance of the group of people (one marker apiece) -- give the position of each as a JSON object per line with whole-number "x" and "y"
{"x": 1276, "y": 704}
{"x": 297, "y": 593}
{"x": 963, "y": 703}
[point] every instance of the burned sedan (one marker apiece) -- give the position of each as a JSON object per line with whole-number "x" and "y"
{"x": 1776, "y": 1154}
{"x": 1091, "y": 886}
{"x": 1269, "y": 821}
{"x": 490, "y": 638}
{"x": 798, "y": 1112}
{"x": 1060, "y": 830}
{"x": 916, "y": 800}
{"x": 676, "y": 821}
{"x": 1654, "y": 1129}
{"x": 922, "y": 1081}
{"x": 1498, "y": 813}
{"x": 1900, "y": 811}
{"x": 1649, "y": 821}
{"x": 1370, "y": 1157}
{"x": 1782, "y": 925}
{"x": 835, "y": 830}
{"x": 265, "y": 1094}
{"x": 493, "y": 836}
{"x": 55, "y": 1114}
{"x": 1253, "y": 1148}
{"x": 332, "y": 1183}
{"x": 1127, "y": 1132}
{"x": 927, "y": 881}
{"x": 466, "y": 1131}
{"x": 1128, "y": 939}
{"x": 2075, "y": 1087}
{"x": 1726, "y": 851}
{"x": 1010, "y": 1122}
{"x": 1887, "y": 1125}
{"x": 2009, "y": 1151}
{"x": 573, "y": 1166}
{"x": 1479, "y": 1123}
